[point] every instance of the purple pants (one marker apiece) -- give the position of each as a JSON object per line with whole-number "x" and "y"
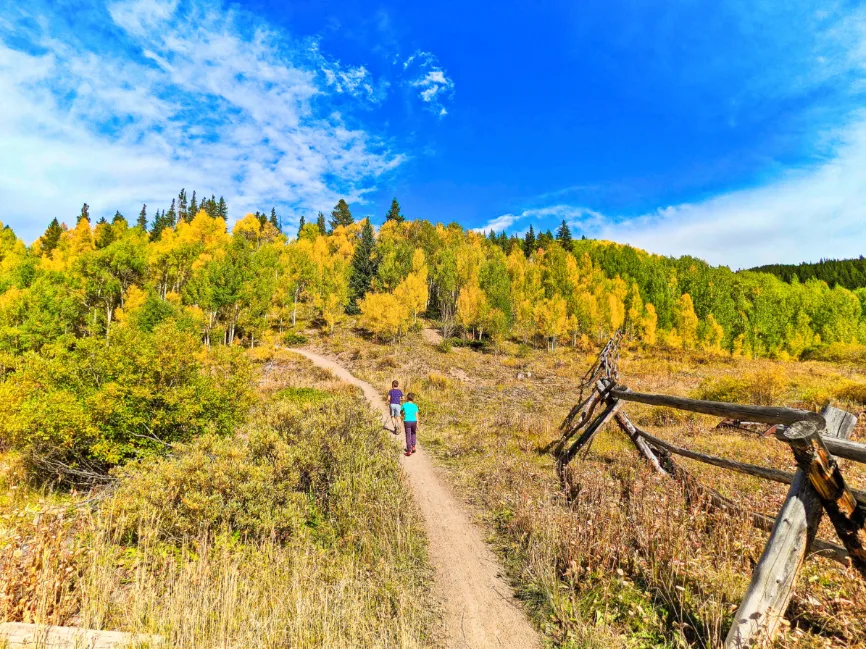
{"x": 411, "y": 433}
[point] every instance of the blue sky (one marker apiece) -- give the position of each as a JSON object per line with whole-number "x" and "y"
{"x": 733, "y": 131}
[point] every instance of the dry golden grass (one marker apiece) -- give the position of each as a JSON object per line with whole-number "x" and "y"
{"x": 631, "y": 561}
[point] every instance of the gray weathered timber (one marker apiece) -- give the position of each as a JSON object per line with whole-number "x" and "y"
{"x": 16, "y": 634}
{"x": 644, "y": 448}
{"x": 772, "y": 586}
{"x": 613, "y": 407}
{"x": 848, "y": 517}
{"x": 766, "y": 473}
{"x": 763, "y": 414}
{"x": 846, "y": 448}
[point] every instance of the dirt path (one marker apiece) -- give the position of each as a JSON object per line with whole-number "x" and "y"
{"x": 480, "y": 609}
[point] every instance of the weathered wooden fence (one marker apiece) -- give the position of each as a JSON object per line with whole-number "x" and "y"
{"x": 818, "y": 486}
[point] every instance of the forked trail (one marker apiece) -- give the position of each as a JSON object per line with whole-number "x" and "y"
{"x": 480, "y": 609}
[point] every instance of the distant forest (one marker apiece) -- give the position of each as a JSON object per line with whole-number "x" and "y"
{"x": 848, "y": 273}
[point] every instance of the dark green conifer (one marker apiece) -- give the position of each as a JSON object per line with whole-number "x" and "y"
{"x": 182, "y": 207}
{"x": 530, "y": 245}
{"x": 563, "y": 235}
{"x": 51, "y": 237}
{"x": 394, "y": 213}
{"x": 274, "y": 221}
{"x": 222, "y": 209}
{"x": 364, "y": 267}
{"x": 142, "y": 218}
{"x": 341, "y": 215}
{"x": 85, "y": 213}
{"x": 193, "y": 206}
{"x": 320, "y": 221}
{"x": 301, "y": 225}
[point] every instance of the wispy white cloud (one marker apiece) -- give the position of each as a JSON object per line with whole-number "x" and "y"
{"x": 433, "y": 85}
{"x": 196, "y": 97}
{"x": 809, "y": 213}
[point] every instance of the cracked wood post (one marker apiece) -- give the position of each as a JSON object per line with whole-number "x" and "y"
{"x": 767, "y": 598}
{"x": 848, "y": 517}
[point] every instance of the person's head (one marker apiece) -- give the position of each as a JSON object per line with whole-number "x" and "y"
{"x": 394, "y": 384}
{"x": 410, "y": 396}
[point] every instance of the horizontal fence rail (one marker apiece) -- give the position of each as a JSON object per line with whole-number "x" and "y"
{"x": 817, "y": 487}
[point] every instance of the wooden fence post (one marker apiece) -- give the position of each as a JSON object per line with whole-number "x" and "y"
{"x": 847, "y": 516}
{"x": 772, "y": 586}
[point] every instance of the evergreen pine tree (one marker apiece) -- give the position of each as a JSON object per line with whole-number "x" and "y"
{"x": 261, "y": 217}
{"x": 222, "y": 209}
{"x": 544, "y": 240}
{"x": 320, "y": 221}
{"x": 364, "y": 267}
{"x": 85, "y": 213}
{"x": 274, "y": 220}
{"x": 142, "y": 218}
{"x": 529, "y": 243}
{"x": 394, "y": 213}
{"x": 171, "y": 219}
{"x": 301, "y": 225}
{"x": 193, "y": 206}
{"x": 182, "y": 211}
{"x": 51, "y": 237}
{"x": 118, "y": 217}
{"x": 341, "y": 215}
{"x": 160, "y": 223}
{"x": 563, "y": 235}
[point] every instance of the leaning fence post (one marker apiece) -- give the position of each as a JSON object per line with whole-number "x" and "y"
{"x": 847, "y": 516}
{"x": 773, "y": 579}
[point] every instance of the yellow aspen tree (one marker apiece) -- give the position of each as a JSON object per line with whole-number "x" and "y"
{"x": 382, "y": 315}
{"x": 412, "y": 293}
{"x": 686, "y": 321}
{"x": 713, "y": 334}
{"x": 551, "y": 320}
{"x": 471, "y": 307}
{"x": 649, "y": 325}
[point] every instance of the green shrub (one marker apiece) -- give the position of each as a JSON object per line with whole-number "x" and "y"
{"x": 318, "y": 471}
{"x": 444, "y": 347}
{"x": 764, "y": 388}
{"x": 75, "y": 412}
{"x": 294, "y": 339}
{"x": 836, "y": 353}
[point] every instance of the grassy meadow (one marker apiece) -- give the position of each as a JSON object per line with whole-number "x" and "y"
{"x": 630, "y": 563}
{"x": 292, "y": 532}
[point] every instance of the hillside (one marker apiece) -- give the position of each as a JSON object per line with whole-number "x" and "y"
{"x": 848, "y": 273}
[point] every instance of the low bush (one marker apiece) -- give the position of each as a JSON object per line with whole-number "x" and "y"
{"x": 306, "y": 466}
{"x": 294, "y": 339}
{"x": 74, "y": 412}
{"x": 477, "y": 345}
{"x": 763, "y": 388}
{"x": 836, "y": 353}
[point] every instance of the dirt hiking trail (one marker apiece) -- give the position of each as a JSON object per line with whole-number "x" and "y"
{"x": 480, "y": 611}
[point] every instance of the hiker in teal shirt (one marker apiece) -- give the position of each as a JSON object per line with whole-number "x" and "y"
{"x": 410, "y": 422}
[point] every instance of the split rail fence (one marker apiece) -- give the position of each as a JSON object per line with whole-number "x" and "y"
{"x": 818, "y": 486}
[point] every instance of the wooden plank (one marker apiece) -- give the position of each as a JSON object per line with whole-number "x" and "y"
{"x": 846, "y": 448}
{"x": 613, "y": 407}
{"x": 751, "y": 469}
{"x": 16, "y": 634}
{"x": 766, "y": 473}
{"x": 644, "y": 448}
{"x": 720, "y": 409}
{"x": 760, "y": 613}
{"x": 848, "y": 517}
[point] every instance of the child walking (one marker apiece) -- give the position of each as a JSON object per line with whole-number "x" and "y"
{"x": 410, "y": 423}
{"x": 395, "y": 398}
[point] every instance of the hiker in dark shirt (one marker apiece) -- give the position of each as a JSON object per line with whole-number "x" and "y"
{"x": 395, "y": 399}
